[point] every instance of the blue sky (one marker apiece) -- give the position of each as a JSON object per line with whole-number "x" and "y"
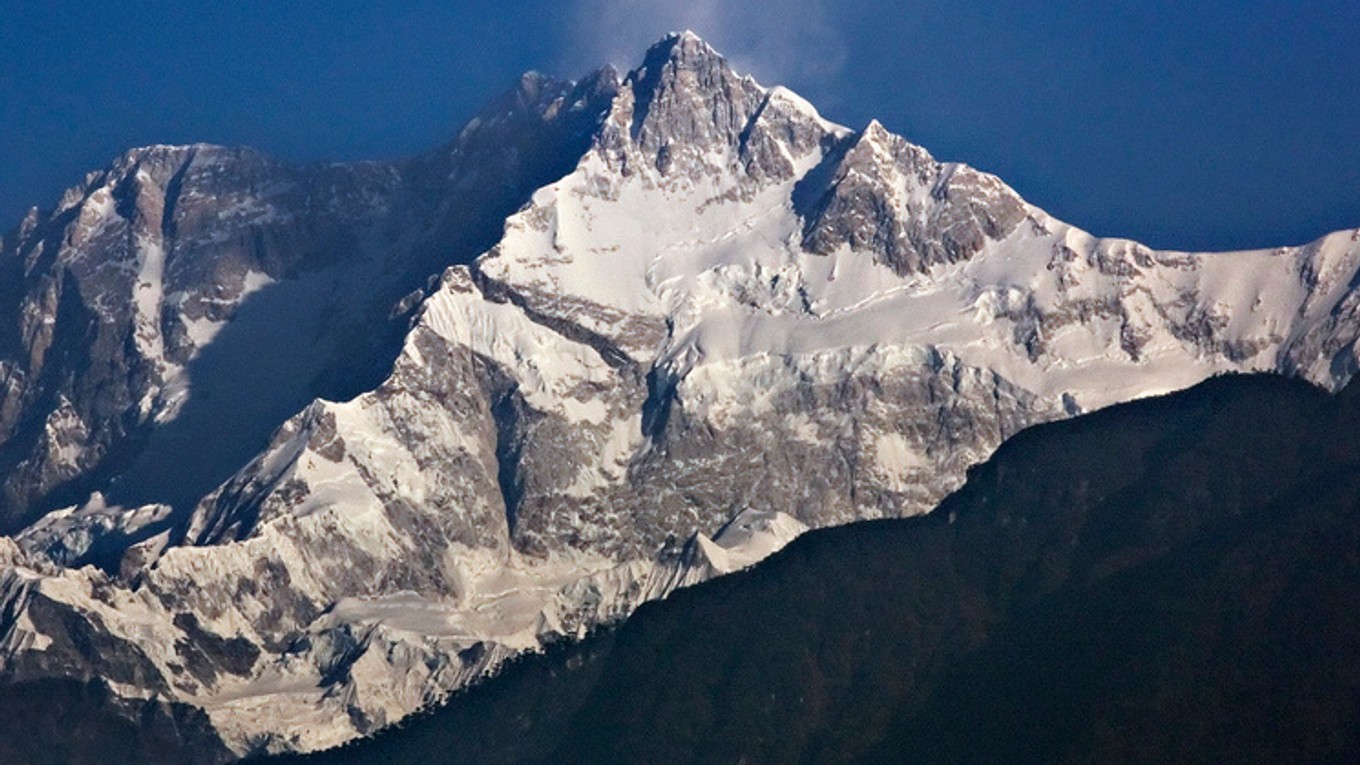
{"x": 1205, "y": 125}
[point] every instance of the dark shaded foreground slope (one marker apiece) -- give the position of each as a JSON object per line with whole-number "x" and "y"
{"x": 67, "y": 722}
{"x": 1170, "y": 580}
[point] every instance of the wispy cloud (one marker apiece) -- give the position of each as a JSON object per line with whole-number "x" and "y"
{"x": 778, "y": 41}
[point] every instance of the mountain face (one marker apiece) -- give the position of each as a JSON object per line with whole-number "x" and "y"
{"x": 1172, "y": 580}
{"x": 179, "y": 275}
{"x": 676, "y": 319}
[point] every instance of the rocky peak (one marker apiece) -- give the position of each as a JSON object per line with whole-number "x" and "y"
{"x": 538, "y": 115}
{"x": 683, "y": 50}
{"x": 884, "y": 195}
{"x": 892, "y": 152}
{"x": 684, "y": 116}
{"x": 686, "y": 102}
{"x": 530, "y": 98}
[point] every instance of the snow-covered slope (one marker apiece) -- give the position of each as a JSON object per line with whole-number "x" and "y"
{"x": 729, "y": 320}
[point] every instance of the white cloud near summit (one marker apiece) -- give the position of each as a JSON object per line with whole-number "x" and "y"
{"x": 778, "y": 41}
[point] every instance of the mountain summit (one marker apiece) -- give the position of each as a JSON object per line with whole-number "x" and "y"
{"x": 619, "y": 336}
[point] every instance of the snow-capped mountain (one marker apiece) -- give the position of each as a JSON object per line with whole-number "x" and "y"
{"x": 713, "y": 320}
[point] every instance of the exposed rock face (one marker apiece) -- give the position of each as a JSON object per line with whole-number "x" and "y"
{"x": 717, "y": 306}
{"x": 138, "y": 268}
{"x": 890, "y": 198}
{"x": 684, "y": 115}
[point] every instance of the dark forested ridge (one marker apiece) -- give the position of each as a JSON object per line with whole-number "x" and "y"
{"x": 69, "y": 722}
{"x": 1172, "y": 580}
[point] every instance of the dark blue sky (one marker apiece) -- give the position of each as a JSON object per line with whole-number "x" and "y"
{"x": 1204, "y": 125}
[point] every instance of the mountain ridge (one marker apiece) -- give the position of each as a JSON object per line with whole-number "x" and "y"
{"x": 1163, "y": 579}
